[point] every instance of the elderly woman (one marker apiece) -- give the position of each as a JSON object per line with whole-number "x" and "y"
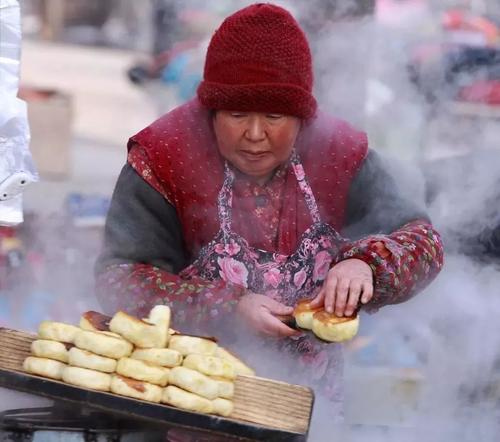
{"x": 233, "y": 204}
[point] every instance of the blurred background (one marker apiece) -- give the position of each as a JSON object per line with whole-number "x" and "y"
{"x": 421, "y": 77}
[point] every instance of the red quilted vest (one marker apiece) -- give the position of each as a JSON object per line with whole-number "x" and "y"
{"x": 180, "y": 159}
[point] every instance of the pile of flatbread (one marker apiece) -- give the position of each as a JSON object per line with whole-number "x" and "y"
{"x": 144, "y": 359}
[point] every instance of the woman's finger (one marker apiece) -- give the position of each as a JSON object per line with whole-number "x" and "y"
{"x": 319, "y": 299}
{"x": 341, "y": 296}
{"x": 353, "y": 299}
{"x": 276, "y": 308}
{"x": 367, "y": 292}
{"x": 330, "y": 289}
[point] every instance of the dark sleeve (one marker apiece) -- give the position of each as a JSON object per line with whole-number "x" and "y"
{"x": 141, "y": 227}
{"x": 374, "y": 203}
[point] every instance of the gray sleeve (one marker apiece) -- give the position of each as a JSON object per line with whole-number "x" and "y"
{"x": 141, "y": 227}
{"x": 375, "y": 205}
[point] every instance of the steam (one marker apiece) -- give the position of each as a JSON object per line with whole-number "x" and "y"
{"x": 428, "y": 370}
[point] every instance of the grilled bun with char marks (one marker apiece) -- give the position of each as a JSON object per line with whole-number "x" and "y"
{"x": 137, "y": 389}
{"x": 103, "y": 344}
{"x": 188, "y": 401}
{"x": 86, "y": 359}
{"x": 57, "y": 331}
{"x": 143, "y": 371}
{"x": 94, "y": 321}
{"x": 43, "y": 348}
{"x": 47, "y": 368}
{"x": 303, "y": 314}
{"x": 332, "y": 328}
{"x": 150, "y": 333}
{"x": 83, "y": 377}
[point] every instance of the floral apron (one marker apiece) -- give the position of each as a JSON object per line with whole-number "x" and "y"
{"x": 287, "y": 279}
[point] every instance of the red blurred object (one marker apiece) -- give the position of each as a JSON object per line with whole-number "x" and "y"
{"x": 8, "y": 241}
{"x": 484, "y": 92}
{"x": 459, "y": 20}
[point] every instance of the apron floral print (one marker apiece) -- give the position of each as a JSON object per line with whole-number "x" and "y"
{"x": 285, "y": 278}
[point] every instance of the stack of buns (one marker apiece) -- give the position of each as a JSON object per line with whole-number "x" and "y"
{"x": 144, "y": 359}
{"x": 326, "y": 326}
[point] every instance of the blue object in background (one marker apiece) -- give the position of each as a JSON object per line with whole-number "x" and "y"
{"x": 87, "y": 209}
{"x": 174, "y": 70}
{"x": 177, "y": 72}
{"x": 25, "y": 312}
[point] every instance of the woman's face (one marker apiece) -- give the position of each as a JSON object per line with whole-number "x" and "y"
{"x": 255, "y": 143}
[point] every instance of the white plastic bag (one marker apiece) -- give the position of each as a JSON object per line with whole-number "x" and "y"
{"x": 16, "y": 165}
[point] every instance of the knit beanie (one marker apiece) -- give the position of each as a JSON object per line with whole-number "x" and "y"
{"x": 259, "y": 60}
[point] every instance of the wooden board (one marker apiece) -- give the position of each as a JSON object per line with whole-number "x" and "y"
{"x": 263, "y": 409}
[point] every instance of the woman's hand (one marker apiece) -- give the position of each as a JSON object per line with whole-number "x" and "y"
{"x": 260, "y": 312}
{"x": 345, "y": 284}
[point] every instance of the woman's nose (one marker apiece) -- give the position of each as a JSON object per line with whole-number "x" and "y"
{"x": 255, "y": 130}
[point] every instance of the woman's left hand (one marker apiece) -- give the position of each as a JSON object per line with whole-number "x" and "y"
{"x": 346, "y": 284}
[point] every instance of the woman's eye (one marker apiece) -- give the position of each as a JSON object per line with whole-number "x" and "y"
{"x": 237, "y": 115}
{"x": 274, "y": 116}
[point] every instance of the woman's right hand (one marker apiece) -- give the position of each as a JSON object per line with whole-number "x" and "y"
{"x": 260, "y": 311}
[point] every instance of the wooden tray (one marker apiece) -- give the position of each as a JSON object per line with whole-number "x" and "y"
{"x": 263, "y": 409}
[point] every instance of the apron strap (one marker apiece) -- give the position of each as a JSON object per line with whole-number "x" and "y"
{"x": 225, "y": 201}
{"x": 298, "y": 169}
{"x": 225, "y": 198}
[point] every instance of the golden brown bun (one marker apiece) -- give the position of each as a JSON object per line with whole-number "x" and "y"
{"x": 50, "y": 350}
{"x": 103, "y": 344}
{"x": 194, "y": 382}
{"x": 143, "y": 371}
{"x": 86, "y": 359}
{"x": 44, "y": 367}
{"x": 143, "y": 334}
{"x": 164, "y": 357}
{"x": 331, "y": 328}
{"x": 83, "y": 377}
{"x": 57, "y": 331}
{"x": 239, "y": 366}
{"x": 222, "y": 407}
{"x": 303, "y": 314}
{"x": 186, "y": 345}
{"x": 136, "y": 389}
{"x": 210, "y": 365}
{"x": 188, "y": 401}
{"x": 160, "y": 316}
{"x": 94, "y": 321}
{"x": 226, "y": 388}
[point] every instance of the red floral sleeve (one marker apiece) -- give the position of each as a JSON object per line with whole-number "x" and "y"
{"x": 403, "y": 262}
{"x": 136, "y": 288}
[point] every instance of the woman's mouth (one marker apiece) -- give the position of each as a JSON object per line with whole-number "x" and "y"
{"x": 253, "y": 156}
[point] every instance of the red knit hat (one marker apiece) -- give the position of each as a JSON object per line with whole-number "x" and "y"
{"x": 259, "y": 61}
